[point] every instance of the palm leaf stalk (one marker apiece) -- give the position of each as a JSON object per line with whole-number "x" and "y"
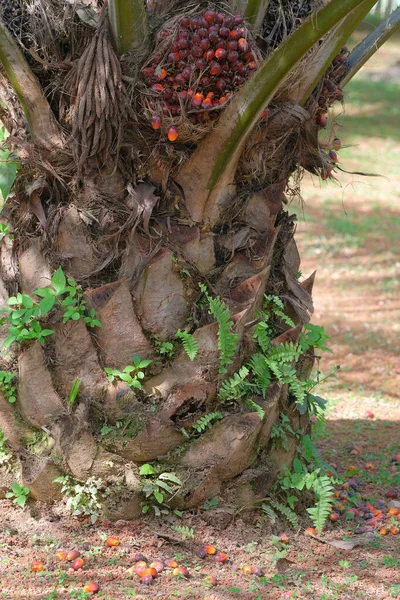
{"x": 129, "y": 25}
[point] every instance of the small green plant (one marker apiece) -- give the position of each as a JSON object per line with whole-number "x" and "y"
{"x": 190, "y": 344}
{"x": 7, "y": 386}
{"x": 155, "y": 487}
{"x": 19, "y": 493}
{"x": 80, "y": 595}
{"x": 227, "y": 341}
{"x": 209, "y": 504}
{"x": 163, "y": 348}
{"x": 280, "y": 431}
{"x": 205, "y": 422}
{"x": 186, "y": 532}
{"x": 5, "y": 454}
{"x": 23, "y": 316}
{"x": 132, "y": 374}
{"x": 273, "y": 507}
{"x": 390, "y": 561}
{"x": 74, "y": 391}
{"x": 4, "y": 230}
{"x": 82, "y": 499}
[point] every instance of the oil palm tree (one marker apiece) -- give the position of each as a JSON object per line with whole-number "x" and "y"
{"x": 154, "y": 310}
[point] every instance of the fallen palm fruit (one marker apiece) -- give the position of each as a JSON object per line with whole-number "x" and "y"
{"x": 112, "y": 541}
{"x": 91, "y": 588}
{"x": 78, "y": 564}
{"x": 37, "y": 566}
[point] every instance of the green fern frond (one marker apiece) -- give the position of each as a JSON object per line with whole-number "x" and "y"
{"x": 253, "y": 405}
{"x": 269, "y": 511}
{"x": 262, "y": 334}
{"x": 284, "y": 353}
{"x": 287, "y": 512}
{"x": 234, "y": 387}
{"x": 319, "y": 513}
{"x": 261, "y": 372}
{"x": 190, "y": 344}
{"x": 277, "y": 308}
{"x": 186, "y": 532}
{"x": 204, "y": 422}
{"x": 227, "y": 341}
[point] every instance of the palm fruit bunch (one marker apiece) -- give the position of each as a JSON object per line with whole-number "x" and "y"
{"x": 198, "y": 64}
{"x": 14, "y": 15}
{"x": 331, "y": 91}
{"x": 283, "y": 17}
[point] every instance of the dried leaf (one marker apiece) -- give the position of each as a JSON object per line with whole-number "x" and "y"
{"x": 142, "y": 198}
{"x": 37, "y": 209}
{"x": 344, "y": 544}
{"x": 394, "y": 504}
{"x": 283, "y": 564}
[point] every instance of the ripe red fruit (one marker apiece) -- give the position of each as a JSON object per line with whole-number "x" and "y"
{"x": 61, "y": 555}
{"x": 205, "y": 81}
{"x": 215, "y": 68}
{"x": 174, "y": 57}
{"x": 170, "y": 563}
{"x": 283, "y": 538}
{"x": 185, "y": 22}
{"x": 210, "y": 549}
{"x": 221, "y": 557}
{"x": 181, "y": 572}
{"x": 73, "y": 555}
{"x": 333, "y": 156}
{"x": 78, "y": 564}
{"x": 310, "y": 531}
{"x": 220, "y": 17}
{"x": 334, "y": 517}
{"x": 197, "y": 51}
{"x": 224, "y": 32}
{"x": 210, "y": 16}
{"x": 243, "y": 45}
{"x": 196, "y": 39}
{"x": 158, "y": 565}
{"x": 147, "y": 580}
{"x": 247, "y": 570}
{"x": 183, "y": 43}
{"x": 207, "y": 103}
{"x": 257, "y": 571}
{"x": 205, "y": 44}
{"x": 394, "y": 530}
{"x": 203, "y": 32}
{"x": 201, "y": 64}
{"x": 324, "y": 176}
{"x": 156, "y": 122}
{"x": 233, "y": 56}
{"x": 151, "y": 571}
{"x": 235, "y": 35}
{"x": 265, "y": 113}
{"x": 164, "y": 33}
{"x": 252, "y": 65}
{"x": 91, "y": 587}
{"x": 112, "y": 541}
{"x": 211, "y": 580}
{"x": 213, "y": 37}
{"x": 197, "y": 100}
{"x": 209, "y": 55}
{"x": 392, "y": 494}
{"x": 147, "y": 72}
{"x": 337, "y": 144}
{"x": 37, "y": 566}
{"x": 158, "y": 88}
{"x": 322, "y": 120}
{"x": 139, "y": 571}
{"x": 369, "y": 414}
{"x": 221, "y": 85}
{"x": 383, "y": 531}
{"x": 220, "y": 53}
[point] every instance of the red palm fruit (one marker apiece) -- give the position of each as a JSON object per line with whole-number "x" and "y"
{"x": 224, "y": 32}
{"x": 180, "y": 80}
{"x": 229, "y": 21}
{"x": 164, "y": 33}
{"x": 231, "y": 45}
{"x": 175, "y": 111}
{"x": 370, "y": 467}
{"x": 112, "y": 541}
{"x": 195, "y": 23}
{"x": 205, "y": 82}
{"x": 235, "y": 34}
{"x": 339, "y": 71}
{"x": 211, "y": 95}
{"x": 183, "y": 95}
{"x": 220, "y": 17}
{"x": 183, "y": 43}
{"x": 210, "y": 16}
{"x": 257, "y": 571}
{"x": 61, "y": 555}
{"x": 209, "y": 55}
{"x": 233, "y": 56}
{"x": 197, "y": 51}
{"x": 37, "y": 566}
{"x": 247, "y": 570}
{"x": 310, "y": 531}
{"x": 91, "y": 588}
{"x": 324, "y": 176}
{"x": 243, "y": 45}
{"x": 214, "y": 28}
{"x": 333, "y": 156}
{"x": 215, "y": 68}
{"x": 369, "y": 414}
{"x": 222, "y": 100}
{"x": 395, "y": 458}
{"x": 158, "y": 565}
{"x": 394, "y": 530}
{"x": 220, "y": 53}
{"x": 334, "y": 517}
{"x": 139, "y": 571}
{"x": 161, "y": 74}
{"x": 147, "y": 580}
{"x": 156, "y": 122}
{"x": 322, "y": 120}
{"x": 207, "y": 103}
{"x": 181, "y": 572}
{"x": 187, "y": 72}
{"x": 147, "y": 72}
{"x": 170, "y": 563}
{"x": 174, "y": 57}
{"x": 197, "y": 100}
{"x": 211, "y": 580}
{"x": 392, "y": 494}
{"x": 249, "y": 56}
{"x": 265, "y": 113}
{"x": 213, "y": 37}
{"x": 196, "y": 39}
{"x": 201, "y": 64}
{"x": 183, "y": 33}
{"x": 221, "y": 557}
{"x": 157, "y": 87}
{"x": 283, "y": 538}
{"x": 210, "y": 549}
{"x": 151, "y": 571}
{"x": 383, "y": 531}
{"x": 238, "y": 19}
{"x": 252, "y": 65}
{"x": 203, "y": 32}
{"x": 205, "y": 44}
{"x": 393, "y": 511}
{"x": 221, "y": 85}
{"x": 141, "y": 563}
{"x": 73, "y": 555}
{"x": 78, "y": 564}
{"x": 220, "y": 44}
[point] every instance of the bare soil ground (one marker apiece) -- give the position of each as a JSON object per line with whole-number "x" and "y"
{"x": 350, "y": 234}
